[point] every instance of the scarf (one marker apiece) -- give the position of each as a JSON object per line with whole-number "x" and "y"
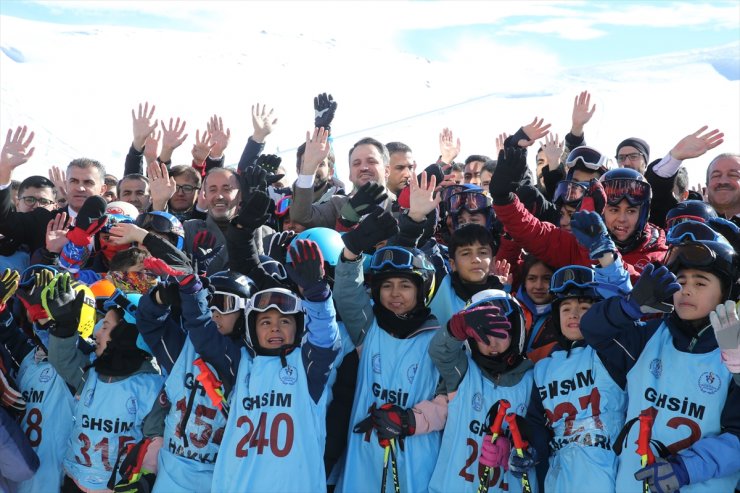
{"x": 400, "y": 327}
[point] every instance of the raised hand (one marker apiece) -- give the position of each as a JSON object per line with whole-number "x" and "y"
{"x": 509, "y": 172}
{"x": 502, "y": 270}
{"x": 500, "y": 142}
{"x": 725, "y": 321}
{"x": 581, "y": 112}
{"x": 377, "y": 226}
{"x": 269, "y": 162}
{"x": 449, "y": 148}
{"x": 8, "y": 285}
{"x": 56, "y": 232}
{"x": 204, "y": 250}
{"x": 30, "y": 294}
{"x": 151, "y": 147}
{"x": 479, "y": 324}
{"x": 202, "y": 147}
{"x": 652, "y": 292}
{"x": 324, "y": 108}
{"x": 253, "y": 211}
{"x": 15, "y": 152}
{"x": 368, "y": 195}
{"x": 421, "y": 197}
{"x": 126, "y": 233}
{"x": 553, "y": 148}
{"x": 317, "y": 148}
{"x": 161, "y": 185}
{"x": 172, "y": 138}
{"x": 59, "y": 178}
{"x": 696, "y": 144}
{"x": 278, "y": 246}
{"x": 143, "y": 125}
{"x": 306, "y": 269}
{"x": 263, "y": 122}
{"x": 534, "y": 131}
{"x": 590, "y": 231}
{"x": 219, "y": 136}
{"x": 63, "y": 304}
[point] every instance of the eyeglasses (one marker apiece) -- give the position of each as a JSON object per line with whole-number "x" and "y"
{"x": 399, "y": 258}
{"x": 31, "y": 200}
{"x": 225, "y": 303}
{"x": 280, "y": 299}
{"x": 572, "y": 276}
{"x": 471, "y": 201}
{"x": 569, "y": 191}
{"x": 691, "y": 231}
{"x": 186, "y": 188}
{"x": 283, "y": 206}
{"x": 633, "y": 156}
{"x": 590, "y": 157}
{"x": 636, "y": 192}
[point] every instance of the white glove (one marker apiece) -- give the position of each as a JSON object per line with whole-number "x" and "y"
{"x": 726, "y": 324}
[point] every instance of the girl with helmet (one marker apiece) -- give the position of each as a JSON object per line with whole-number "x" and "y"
{"x": 279, "y": 396}
{"x": 163, "y": 223}
{"x": 114, "y": 392}
{"x": 49, "y": 403}
{"x": 392, "y": 335}
{"x": 695, "y": 422}
{"x": 477, "y": 380}
{"x": 584, "y": 418}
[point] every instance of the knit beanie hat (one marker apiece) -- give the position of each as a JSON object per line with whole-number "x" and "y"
{"x": 638, "y": 144}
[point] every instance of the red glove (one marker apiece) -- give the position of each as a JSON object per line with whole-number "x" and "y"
{"x": 90, "y": 219}
{"x": 159, "y": 267}
{"x": 595, "y": 198}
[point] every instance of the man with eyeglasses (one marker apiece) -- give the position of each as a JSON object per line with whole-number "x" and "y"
{"x": 180, "y": 201}
{"x": 36, "y": 191}
{"x": 633, "y": 153}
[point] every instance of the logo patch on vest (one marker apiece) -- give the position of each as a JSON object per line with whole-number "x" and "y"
{"x": 376, "y": 363}
{"x": 88, "y": 398}
{"x": 709, "y": 382}
{"x": 288, "y": 375}
{"x": 411, "y": 372}
{"x": 131, "y": 405}
{"x": 656, "y": 367}
{"x": 477, "y": 402}
{"x": 45, "y": 375}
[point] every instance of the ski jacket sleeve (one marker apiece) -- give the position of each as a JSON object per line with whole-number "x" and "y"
{"x": 354, "y": 306}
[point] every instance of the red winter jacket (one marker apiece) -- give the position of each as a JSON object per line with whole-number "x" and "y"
{"x": 558, "y": 248}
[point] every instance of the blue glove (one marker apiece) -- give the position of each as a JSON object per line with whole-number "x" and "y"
{"x": 73, "y": 257}
{"x": 519, "y": 465}
{"x": 650, "y": 292}
{"x": 590, "y": 231}
{"x": 664, "y": 476}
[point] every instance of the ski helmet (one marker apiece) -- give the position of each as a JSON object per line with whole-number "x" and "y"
{"x": 329, "y": 241}
{"x": 627, "y": 184}
{"x": 231, "y": 292}
{"x": 689, "y": 210}
{"x": 717, "y": 257}
{"x": 163, "y": 223}
{"x": 411, "y": 263}
{"x": 572, "y": 281}
{"x": 282, "y": 300}
{"x": 588, "y": 159}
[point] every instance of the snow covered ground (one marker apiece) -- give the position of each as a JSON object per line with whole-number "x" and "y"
{"x": 76, "y": 86}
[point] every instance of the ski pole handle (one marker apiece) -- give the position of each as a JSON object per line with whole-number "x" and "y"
{"x": 503, "y": 406}
{"x": 643, "y": 438}
{"x": 516, "y": 436}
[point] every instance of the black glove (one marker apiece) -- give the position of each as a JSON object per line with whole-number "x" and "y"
{"x": 269, "y": 162}
{"x": 650, "y": 292}
{"x": 89, "y": 221}
{"x": 390, "y": 422}
{"x": 168, "y": 293}
{"x": 144, "y": 484}
{"x": 253, "y": 210}
{"x": 664, "y": 476}
{"x": 324, "y": 108}
{"x": 8, "y": 285}
{"x": 256, "y": 178}
{"x": 362, "y": 201}
{"x": 509, "y": 173}
{"x": 306, "y": 269}
{"x": 277, "y": 247}
{"x": 63, "y": 304}
{"x": 379, "y": 225}
{"x": 204, "y": 250}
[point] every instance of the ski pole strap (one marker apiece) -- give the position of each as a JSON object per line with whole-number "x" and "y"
{"x": 643, "y": 438}
{"x": 516, "y": 436}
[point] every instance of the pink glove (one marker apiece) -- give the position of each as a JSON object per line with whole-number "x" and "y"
{"x": 495, "y": 454}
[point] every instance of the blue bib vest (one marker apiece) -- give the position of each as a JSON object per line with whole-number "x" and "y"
{"x": 108, "y": 416}
{"x": 585, "y": 409}
{"x": 688, "y": 391}
{"x": 457, "y": 467}
{"x": 275, "y": 434}
{"x": 187, "y": 457}
{"x": 446, "y": 302}
{"x": 47, "y": 421}
{"x": 396, "y": 371}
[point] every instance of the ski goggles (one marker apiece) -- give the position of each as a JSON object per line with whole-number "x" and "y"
{"x": 572, "y": 276}
{"x": 669, "y": 223}
{"x": 569, "y": 192}
{"x": 696, "y": 254}
{"x": 636, "y": 192}
{"x": 283, "y": 206}
{"x": 274, "y": 269}
{"x": 448, "y": 192}
{"x": 279, "y": 299}
{"x": 225, "y": 303}
{"x": 504, "y": 304}
{"x": 691, "y": 231}
{"x": 114, "y": 219}
{"x": 471, "y": 201}
{"x": 590, "y": 157}
{"x": 159, "y": 224}
{"x": 398, "y": 258}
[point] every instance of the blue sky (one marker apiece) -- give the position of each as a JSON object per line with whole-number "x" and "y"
{"x": 579, "y": 33}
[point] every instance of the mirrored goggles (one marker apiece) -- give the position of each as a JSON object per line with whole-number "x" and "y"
{"x": 590, "y": 157}
{"x": 569, "y": 192}
{"x": 471, "y": 201}
{"x": 636, "y": 192}
{"x": 283, "y": 206}
{"x": 279, "y": 299}
{"x": 399, "y": 258}
{"x": 690, "y": 254}
{"x": 447, "y": 192}
{"x": 572, "y": 276}
{"x": 691, "y": 231}
{"x": 225, "y": 303}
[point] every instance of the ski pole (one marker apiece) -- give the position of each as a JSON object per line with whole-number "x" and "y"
{"x": 503, "y": 406}
{"x": 519, "y": 444}
{"x": 643, "y": 443}
{"x": 386, "y": 456}
{"x": 394, "y": 466}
